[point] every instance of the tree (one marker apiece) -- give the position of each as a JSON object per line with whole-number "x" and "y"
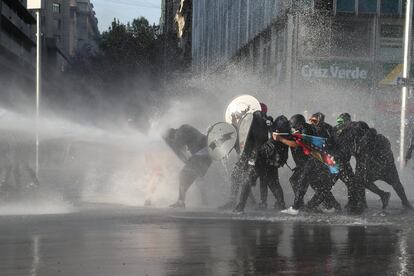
{"x": 126, "y": 70}
{"x": 128, "y": 50}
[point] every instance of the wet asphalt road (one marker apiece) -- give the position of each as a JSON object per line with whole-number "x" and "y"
{"x": 115, "y": 240}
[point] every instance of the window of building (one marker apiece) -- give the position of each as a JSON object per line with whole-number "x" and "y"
{"x": 390, "y": 6}
{"x": 351, "y": 38}
{"x": 323, "y": 4}
{"x": 367, "y": 6}
{"x": 387, "y": 7}
{"x": 315, "y": 36}
{"x": 391, "y": 31}
{"x": 345, "y": 5}
{"x": 390, "y": 41}
{"x": 56, "y": 7}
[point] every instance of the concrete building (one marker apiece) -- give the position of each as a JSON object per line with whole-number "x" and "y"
{"x": 17, "y": 46}
{"x": 169, "y": 9}
{"x": 223, "y": 30}
{"x": 334, "y": 54}
{"x": 176, "y": 27}
{"x": 87, "y": 27}
{"x": 69, "y": 26}
{"x": 59, "y": 34}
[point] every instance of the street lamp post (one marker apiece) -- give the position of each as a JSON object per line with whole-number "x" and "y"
{"x": 37, "y": 6}
{"x": 406, "y": 75}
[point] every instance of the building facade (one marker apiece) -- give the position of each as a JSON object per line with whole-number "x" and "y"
{"x": 87, "y": 27}
{"x": 169, "y": 9}
{"x": 329, "y": 54}
{"x": 176, "y": 28}
{"x": 69, "y": 27}
{"x": 222, "y": 29}
{"x": 59, "y": 35}
{"x": 17, "y": 46}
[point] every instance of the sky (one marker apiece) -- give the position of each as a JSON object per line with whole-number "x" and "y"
{"x": 126, "y": 10}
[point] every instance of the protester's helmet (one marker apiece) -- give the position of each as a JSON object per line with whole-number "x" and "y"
{"x": 281, "y": 125}
{"x": 297, "y": 122}
{"x": 263, "y": 107}
{"x": 317, "y": 119}
{"x": 343, "y": 118}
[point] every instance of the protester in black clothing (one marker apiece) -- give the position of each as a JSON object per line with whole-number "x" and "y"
{"x": 308, "y": 171}
{"x": 374, "y": 159}
{"x": 356, "y": 189}
{"x": 326, "y": 180}
{"x": 249, "y": 173}
{"x": 188, "y": 138}
{"x": 341, "y": 121}
{"x": 304, "y": 163}
{"x": 322, "y": 128}
{"x": 272, "y": 156}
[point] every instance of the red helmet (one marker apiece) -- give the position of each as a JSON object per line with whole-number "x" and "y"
{"x": 263, "y": 107}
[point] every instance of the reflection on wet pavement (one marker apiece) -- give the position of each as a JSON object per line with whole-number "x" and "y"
{"x": 128, "y": 243}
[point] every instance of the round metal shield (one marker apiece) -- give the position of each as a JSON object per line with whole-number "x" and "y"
{"x": 221, "y": 139}
{"x": 244, "y": 129}
{"x": 239, "y": 107}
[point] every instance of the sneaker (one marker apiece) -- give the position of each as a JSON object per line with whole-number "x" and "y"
{"x": 290, "y": 211}
{"x": 178, "y": 204}
{"x": 385, "y": 199}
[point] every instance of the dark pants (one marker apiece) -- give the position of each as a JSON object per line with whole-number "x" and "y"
{"x": 197, "y": 166}
{"x": 249, "y": 179}
{"x": 270, "y": 179}
{"x": 369, "y": 170}
{"x": 322, "y": 182}
{"x": 300, "y": 183}
{"x": 356, "y": 190}
{"x": 242, "y": 174}
{"x": 317, "y": 175}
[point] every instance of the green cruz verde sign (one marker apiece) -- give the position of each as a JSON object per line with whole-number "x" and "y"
{"x": 349, "y": 72}
{"x": 335, "y": 70}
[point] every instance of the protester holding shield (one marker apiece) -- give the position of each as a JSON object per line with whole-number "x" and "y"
{"x": 239, "y": 114}
{"x": 254, "y": 163}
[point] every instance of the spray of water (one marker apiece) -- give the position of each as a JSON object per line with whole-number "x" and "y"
{"x": 115, "y": 163}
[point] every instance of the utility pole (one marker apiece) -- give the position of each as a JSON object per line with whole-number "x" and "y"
{"x": 37, "y": 6}
{"x": 38, "y": 84}
{"x": 406, "y": 75}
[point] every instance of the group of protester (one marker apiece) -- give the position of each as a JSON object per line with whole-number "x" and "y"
{"x": 266, "y": 150}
